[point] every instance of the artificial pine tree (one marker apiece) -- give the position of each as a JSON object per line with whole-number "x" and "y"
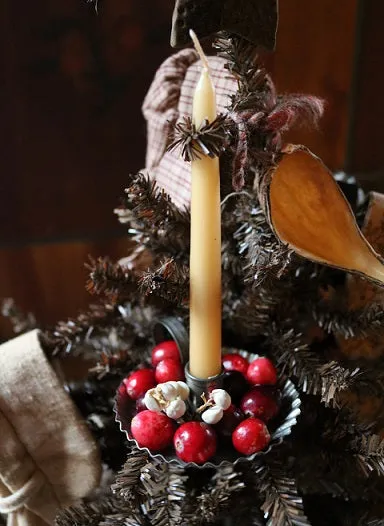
{"x": 277, "y": 302}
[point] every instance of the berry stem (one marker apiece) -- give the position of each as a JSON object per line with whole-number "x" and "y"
{"x": 206, "y": 404}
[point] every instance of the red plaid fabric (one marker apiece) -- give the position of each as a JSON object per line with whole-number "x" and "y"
{"x": 170, "y": 98}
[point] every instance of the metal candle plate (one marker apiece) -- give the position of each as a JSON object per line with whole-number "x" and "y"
{"x": 279, "y": 428}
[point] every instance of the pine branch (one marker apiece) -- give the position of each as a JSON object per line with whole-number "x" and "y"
{"x": 153, "y": 220}
{"x": 282, "y": 504}
{"x": 350, "y": 324}
{"x": 258, "y": 115}
{"x": 370, "y": 454}
{"x": 313, "y": 375}
{"x": 123, "y": 343}
{"x": 127, "y": 481}
{"x": 252, "y": 313}
{"x": 124, "y": 515}
{"x": 335, "y": 379}
{"x": 170, "y": 281}
{"x": 224, "y": 485}
{"x": 108, "y": 332}
{"x": 294, "y": 358}
{"x": 87, "y": 514}
{"x": 370, "y": 381}
{"x": 252, "y": 251}
{"x": 70, "y": 335}
{"x": 375, "y": 522}
{"x": 110, "y": 279}
{"x": 232, "y": 265}
{"x": 341, "y": 424}
{"x": 139, "y": 319}
{"x": 266, "y": 257}
{"x": 154, "y": 481}
{"x": 326, "y": 442}
{"x": 252, "y": 81}
{"x": 230, "y": 298}
{"x": 253, "y": 256}
{"x": 234, "y": 208}
{"x": 127, "y": 518}
{"x": 21, "y": 322}
{"x": 177, "y": 495}
{"x": 256, "y": 90}
{"x": 337, "y": 473}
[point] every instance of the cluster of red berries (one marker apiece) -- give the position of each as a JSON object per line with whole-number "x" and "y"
{"x": 251, "y": 386}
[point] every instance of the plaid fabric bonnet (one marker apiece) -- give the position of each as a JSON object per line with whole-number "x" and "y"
{"x": 168, "y": 100}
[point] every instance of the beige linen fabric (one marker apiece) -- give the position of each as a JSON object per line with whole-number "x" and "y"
{"x": 48, "y": 458}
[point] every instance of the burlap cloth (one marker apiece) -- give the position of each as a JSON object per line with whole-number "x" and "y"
{"x": 48, "y": 458}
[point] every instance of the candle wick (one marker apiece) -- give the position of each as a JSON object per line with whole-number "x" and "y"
{"x": 199, "y": 49}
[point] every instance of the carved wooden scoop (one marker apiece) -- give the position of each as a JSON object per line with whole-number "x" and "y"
{"x": 309, "y": 213}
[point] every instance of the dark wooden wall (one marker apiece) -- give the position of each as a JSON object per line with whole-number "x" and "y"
{"x": 71, "y": 129}
{"x": 365, "y": 152}
{"x": 315, "y": 54}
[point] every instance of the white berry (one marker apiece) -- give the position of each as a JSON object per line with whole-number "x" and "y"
{"x": 168, "y": 390}
{"x": 175, "y": 409}
{"x": 150, "y": 402}
{"x": 183, "y": 390}
{"x": 221, "y": 398}
{"x": 212, "y": 415}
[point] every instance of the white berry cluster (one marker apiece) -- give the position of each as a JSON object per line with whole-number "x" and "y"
{"x": 213, "y": 409}
{"x": 168, "y": 397}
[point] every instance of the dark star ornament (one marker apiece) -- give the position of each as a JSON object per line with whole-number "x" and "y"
{"x": 254, "y": 20}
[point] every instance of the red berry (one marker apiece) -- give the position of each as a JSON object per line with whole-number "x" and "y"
{"x": 259, "y": 403}
{"x": 262, "y": 372}
{"x": 139, "y": 382}
{"x": 152, "y": 430}
{"x": 235, "y": 384}
{"x": 250, "y": 436}
{"x": 168, "y": 370}
{"x": 231, "y": 419}
{"x": 195, "y": 442}
{"x": 235, "y": 362}
{"x": 165, "y": 350}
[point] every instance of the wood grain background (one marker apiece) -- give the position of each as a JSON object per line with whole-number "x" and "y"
{"x": 72, "y": 84}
